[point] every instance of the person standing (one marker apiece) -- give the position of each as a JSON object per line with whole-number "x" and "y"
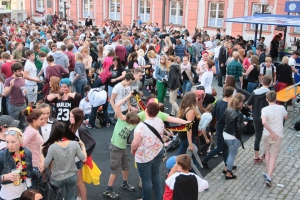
{"x": 256, "y": 102}
{"x": 80, "y": 78}
{"x": 272, "y": 119}
{"x": 6, "y": 67}
{"x": 218, "y": 113}
{"x": 14, "y": 86}
{"x": 232, "y": 133}
{"x": 147, "y": 147}
{"x": 118, "y": 153}
{"x": 235, "y": 69}
{"x": 174, "y": 83}
{"x": 88, "y": 22}
{"x": 161, "y": 74}
{"x": 31, "y": 79}
{"x": 121, "y": 52}
{"x": 223, "y": 55}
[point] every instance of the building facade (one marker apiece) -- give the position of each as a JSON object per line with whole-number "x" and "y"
{"x": 15, "y": 9}
{"x": 207, "y": 14}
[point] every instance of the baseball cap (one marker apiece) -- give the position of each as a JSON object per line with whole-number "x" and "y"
{"x": 155, "y": 100}
{"x": 171, "y": 162}
{"x": 6, "y": 120}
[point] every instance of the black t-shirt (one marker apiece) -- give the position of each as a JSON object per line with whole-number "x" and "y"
{"x": 208, "y": 99}
{"x": 183, "y": 135}
{"x": 219, "y": 111}
{"x": 64, "y": 107}
{"x": 185, "y": 187}
{"x": 115, "y": 74}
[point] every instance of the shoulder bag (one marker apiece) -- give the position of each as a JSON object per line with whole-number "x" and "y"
{"x": 159, "y": 137}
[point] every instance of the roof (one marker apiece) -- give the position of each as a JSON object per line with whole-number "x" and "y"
{"x": 268, "y": 19}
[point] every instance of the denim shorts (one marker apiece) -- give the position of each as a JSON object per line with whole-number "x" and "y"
{"x": 79, "y": 165}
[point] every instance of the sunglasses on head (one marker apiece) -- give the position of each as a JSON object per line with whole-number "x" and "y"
{"x": 13, "y": 132}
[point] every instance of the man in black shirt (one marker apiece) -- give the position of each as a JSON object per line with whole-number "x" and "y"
{"x": 207, "y": 99}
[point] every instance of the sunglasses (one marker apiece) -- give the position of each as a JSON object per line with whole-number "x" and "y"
{"x": 13, "y": 132}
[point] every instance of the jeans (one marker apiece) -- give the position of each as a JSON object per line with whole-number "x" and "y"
{"x": 149, "y": 173}
{"x": 217, "y": 65}
{"x": 233, "y": 146}
{"x": 16, "y": 113}
{"x": 184, "y": 144}
{"x": 173, "y": 101}
{"x": 187, "y": 86}
{"x": 110, "y": 109}
{"x": 79, "y": 84}
{"x": 7, "y": 105}
{"x": 258, "y": 127}
{"x": 69, "y": 184}
{"x": 221, "y": 147}
{"x": 251, "y": 86}
{"x": 93, "y": 114}
{"x": 161, "y": 91}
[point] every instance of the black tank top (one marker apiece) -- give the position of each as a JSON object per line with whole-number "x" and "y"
{"x": 253, "y": 75}
{"x": 183, "y": 135}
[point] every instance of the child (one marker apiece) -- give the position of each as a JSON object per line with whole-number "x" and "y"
{"x": 86, "y": 105}
{"x": 182, "y": 184}
{"x": 272, "y": 118}
{"x": 205, "y": 139}
{"x": 118, "y": 153}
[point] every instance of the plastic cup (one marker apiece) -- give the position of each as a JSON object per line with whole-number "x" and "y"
{"x": 17, "y": 173}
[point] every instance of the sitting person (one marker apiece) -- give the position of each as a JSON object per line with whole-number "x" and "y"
{"x": 182, "y": 184}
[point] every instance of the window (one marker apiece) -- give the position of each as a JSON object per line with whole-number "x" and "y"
{"x": 87, "y": 8}
{"x": 176, "y": 12}
{"x": 144, "y": 10}
{"x": 216, "y": 14}
{"x": 114, "y": 8}
{"x": 297, "y": 29}
{"x": 40, "y": 6}
{"x": 258, "y": 8}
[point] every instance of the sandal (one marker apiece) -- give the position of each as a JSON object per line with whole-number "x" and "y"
{"x": 233, "y": 168}
{"x": 257, "y": 160}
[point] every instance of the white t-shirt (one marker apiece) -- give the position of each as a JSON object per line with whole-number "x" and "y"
{"x": 205, "y": 120}
{"x": 121, "y": 92}
{"x": 10, "y": 191}
{"x": 268, "y": 71}
{"x": 206, "y": 81}
{"x": 85, "y": 106}
{"x": 292, "y": 62}
{"x": 46, "y": 130}
{"x": 59, "y": 44}
{"x": 31, "y": 68}
{"x": 274, "y": 115}
{"x": 45, "y": 65}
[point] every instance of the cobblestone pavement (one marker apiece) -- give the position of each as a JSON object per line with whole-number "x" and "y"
{"x": 249, "y": 183}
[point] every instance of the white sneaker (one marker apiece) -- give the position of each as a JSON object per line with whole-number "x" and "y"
{"x": 78, "y": 198}
{"x": 298, "y": 136}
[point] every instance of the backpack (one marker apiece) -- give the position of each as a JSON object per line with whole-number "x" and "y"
{"x": 264, "y": 66}
{"x": 297, "y": 126}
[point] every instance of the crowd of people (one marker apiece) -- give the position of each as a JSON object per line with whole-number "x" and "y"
{"x": 60, "y": 79}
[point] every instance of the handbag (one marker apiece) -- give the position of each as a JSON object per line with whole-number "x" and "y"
{"x": 49, "y": 190}
{"x": 159, "y": 137}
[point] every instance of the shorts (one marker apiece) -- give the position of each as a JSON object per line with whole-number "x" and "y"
{"x": 271, "y": 146}
{"x": 118, "y": 159}
{"x": 79, "y": 165}
{"x": 31, "y": 93}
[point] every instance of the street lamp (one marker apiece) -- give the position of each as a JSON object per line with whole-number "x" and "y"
{"x": 66, "y": 7}
{"x": 261, "y": 9}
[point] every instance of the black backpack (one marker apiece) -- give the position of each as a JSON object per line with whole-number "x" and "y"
{"x": 297, "y": 126}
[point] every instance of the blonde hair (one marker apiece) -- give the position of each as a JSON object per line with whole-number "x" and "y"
{"x": 166, "y": 64}
{"x": 285, "y": 60}
{"x": 151, "y": 54}
{"x": 78, "y": 57}
{"x": 268, "y": 59}
{"x": 19, "y": 133}
{"x": 140, "y": 52}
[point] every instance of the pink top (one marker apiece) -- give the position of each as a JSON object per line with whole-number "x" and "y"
{"x": 33, "y": 140}
{"x": 108, "y": 61}
{"x": 246, "y": 63}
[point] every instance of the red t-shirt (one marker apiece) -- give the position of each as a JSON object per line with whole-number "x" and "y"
{"x": 6, "y": 69}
